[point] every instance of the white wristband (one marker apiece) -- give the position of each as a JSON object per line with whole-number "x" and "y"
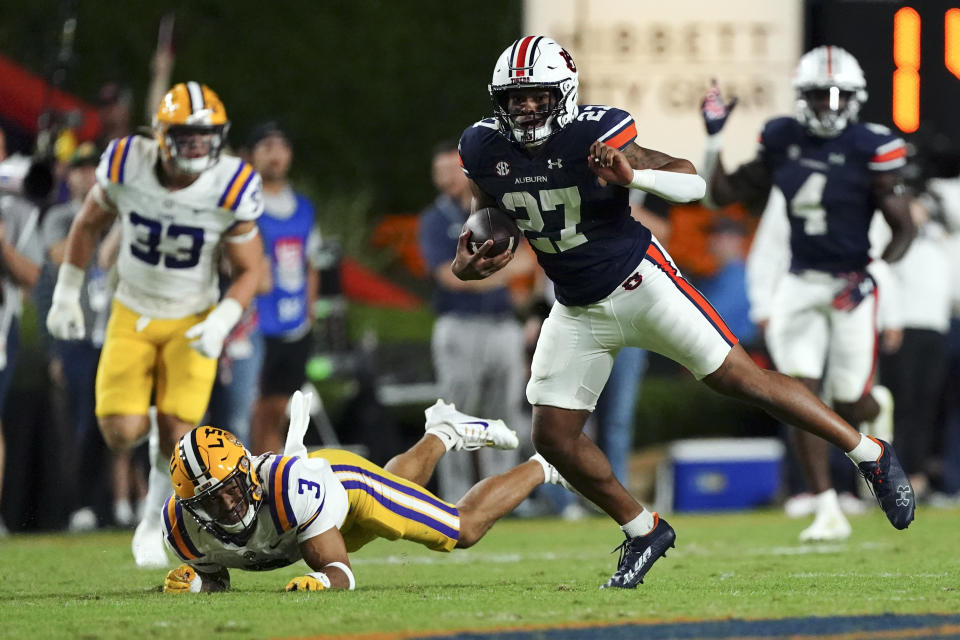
{"x": 69, "y": 282}
{"x": 322, "y": 577}
{"x": 346, "y": 570}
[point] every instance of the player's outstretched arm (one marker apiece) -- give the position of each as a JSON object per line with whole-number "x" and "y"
{"x": 186, "y": 579}
{"x": 674, "y": 179}
{"x": 477, "y": 266}
{"x": 893, "y": 201}
{"x": 65, "y": 318}
{"x": 326, "y": 554}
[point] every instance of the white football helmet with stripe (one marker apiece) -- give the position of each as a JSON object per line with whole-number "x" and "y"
{"x": 213, "y": 478}
{"x": 837, "y": 73}
{"x": 535, "y": 62}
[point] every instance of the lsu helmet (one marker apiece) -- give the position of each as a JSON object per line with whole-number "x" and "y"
{"x": 190, "y": 108}
{"x": 213, "y": 478}
{"x": 837, "y": 72}
{"x": 535, "y": 62}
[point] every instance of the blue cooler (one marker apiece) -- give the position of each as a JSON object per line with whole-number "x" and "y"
{"x": 720, "y": 474}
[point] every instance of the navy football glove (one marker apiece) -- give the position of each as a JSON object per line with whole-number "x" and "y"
{"x": 860, "y": 285}
{"x": 715, "y": 112}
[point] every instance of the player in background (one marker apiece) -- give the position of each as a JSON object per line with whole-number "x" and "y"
{"x": 833, "y": 173}
{"x": 179, "y": 203}
{"x": 563, "y": 171}
{"x": 273, "y": 510}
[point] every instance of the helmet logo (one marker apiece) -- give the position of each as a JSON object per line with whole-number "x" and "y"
{"x": 569, "y": 58}
{"x": 503, "y": 168}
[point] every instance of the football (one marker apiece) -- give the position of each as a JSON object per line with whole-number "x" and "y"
{"x": 492, "y": 224}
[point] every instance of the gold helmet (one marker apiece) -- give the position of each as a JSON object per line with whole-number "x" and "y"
{"x": 214, "y": 480}
{"x": 191, "y": 127}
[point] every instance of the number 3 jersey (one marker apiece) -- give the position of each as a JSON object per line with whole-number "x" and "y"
{"x": 302, "y": 498}
{"x": 827, "y": 186}
{"x": 581, "y": 231}
{"x": 168, "y": 259}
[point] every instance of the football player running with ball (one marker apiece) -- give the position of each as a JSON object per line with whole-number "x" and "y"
{"x": 179, "y": 203}
{"x": 563, "y": 170}
{"x": 230, "y": 510}
{"x": 834, "y": 173}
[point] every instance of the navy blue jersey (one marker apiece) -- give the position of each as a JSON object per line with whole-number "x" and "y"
{"x": 582, "y": 232}
{"x": 827, "y": 186}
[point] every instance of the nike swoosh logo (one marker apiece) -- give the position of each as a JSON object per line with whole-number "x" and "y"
{"x": 480, "y": 422}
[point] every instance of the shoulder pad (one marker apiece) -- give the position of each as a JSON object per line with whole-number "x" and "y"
{"x": 275, "y": 484}
{"x": 121, "y": 159}
{"x": 472, "y": 141}
{"x": 779, "y": 132}
{"x": 175, "y": 531}
{"x": 885, "y": 149}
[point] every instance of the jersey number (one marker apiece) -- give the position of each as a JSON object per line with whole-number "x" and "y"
{"x": 807, "y": 204}
{"x": 148, "y": 248}
{"x": 310, "y": 485}
{"x": 551, "y": 241}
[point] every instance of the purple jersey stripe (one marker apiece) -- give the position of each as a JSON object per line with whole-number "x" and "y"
{"x": 183, "y": 531}
{"x": 313, "y": 517}
{"x": 236, "y": 202}
{"x": 226, "y": 191}
{"x": 402, "y": 488}
{"x": 401, "y": 510}
{"x": 273, "y": 496}
{"x": 291, "y": 518}
{"x": 123, "y": 160}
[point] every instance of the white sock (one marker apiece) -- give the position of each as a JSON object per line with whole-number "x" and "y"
{"x": 867, "y": 451}
{"x": 639, "y": 526}
{"x": 543, "y": 463}
{"x": 445, "y": 434}
{"x": 158, "y": 482}
{"x": 827, "y": 501}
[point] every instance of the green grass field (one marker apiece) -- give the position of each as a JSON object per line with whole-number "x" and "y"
{"x": 526, "y": 573}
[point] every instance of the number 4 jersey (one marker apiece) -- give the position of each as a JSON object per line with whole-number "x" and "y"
{"x": 581, "y": 230}
{"x": 167, "y": 263}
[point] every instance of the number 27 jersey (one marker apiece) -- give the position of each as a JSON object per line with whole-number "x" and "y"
{"x": 581, "y": 231}
{"x": 168, "y": 259}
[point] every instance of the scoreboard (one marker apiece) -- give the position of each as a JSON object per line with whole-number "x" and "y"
{"x": 910, "y": 53}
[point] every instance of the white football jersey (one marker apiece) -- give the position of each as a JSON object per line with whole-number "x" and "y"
{"x": 302, "y": 498}
{"x": 168, "y": 260}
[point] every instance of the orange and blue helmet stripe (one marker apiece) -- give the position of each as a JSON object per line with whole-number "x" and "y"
{"x": 280, "y": 508}
{"x": 176, "y": 531}
{"x": 235, "y": 188}
{"x": 119, "y": 149}
{"x": 523, "y": 55}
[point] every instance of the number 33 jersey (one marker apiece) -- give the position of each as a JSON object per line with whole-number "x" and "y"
{"x": 581, "y": 231}
{"x": 168, "y": 260}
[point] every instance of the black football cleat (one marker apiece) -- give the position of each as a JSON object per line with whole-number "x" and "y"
{"x": 638, "y": 554}
{"x": 891, "y": 486}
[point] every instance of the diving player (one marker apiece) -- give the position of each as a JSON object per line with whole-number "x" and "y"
{"x": 233, "y": 511}
{"x": 180, "y": 203}
{"x": 562, "y": 171}
{"x": 834, "y": 173}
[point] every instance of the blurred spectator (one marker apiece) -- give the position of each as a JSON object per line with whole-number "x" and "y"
{"x": 477, "y": 343}
{"x": 73, "y": 363}
{"x": 20, "y": 257}
{"x": 916, "y": 371}
{"x": 291, "y": 240}
{"x": 114, "y": 103}
{"x": 238, "y": 371}
{"x": 727, "y": 289}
